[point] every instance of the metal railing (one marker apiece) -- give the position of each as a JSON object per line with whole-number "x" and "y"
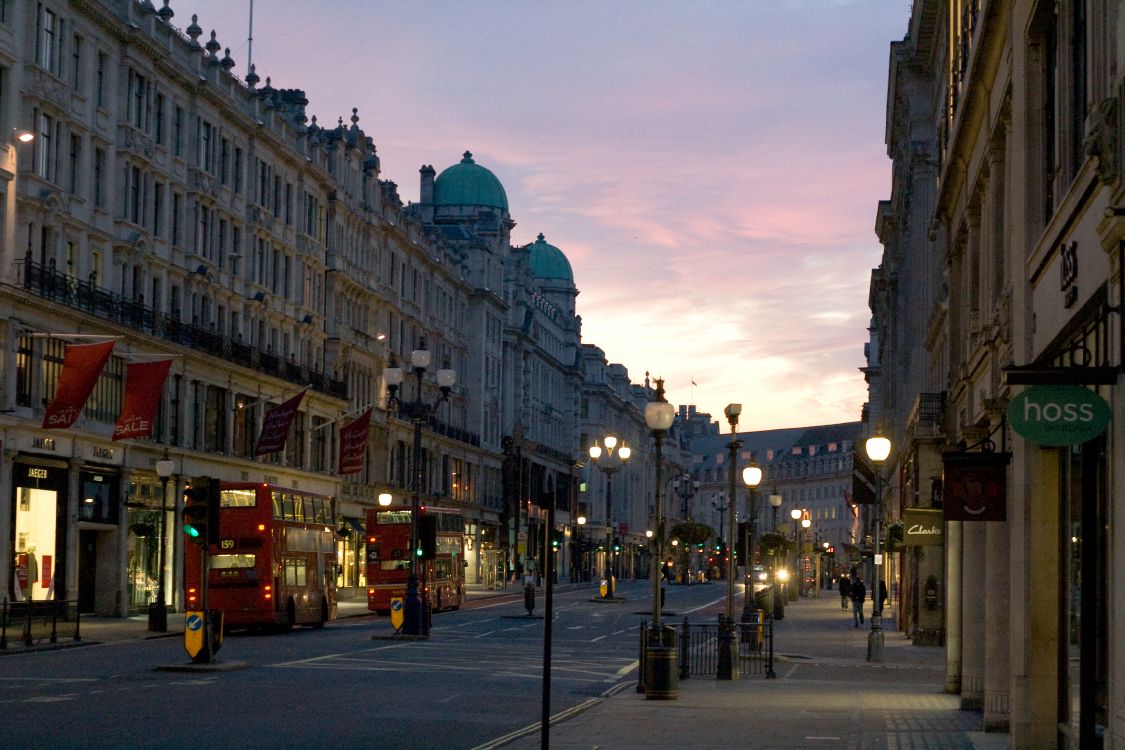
{"x": 36, "y": 621}
{"x": 698, "y": 646}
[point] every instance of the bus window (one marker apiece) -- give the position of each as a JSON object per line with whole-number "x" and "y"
{"x": 395, "y": 565}
{"x": 237, "y": 499}
{"x": 230, "y": 562}
{"x": 443, "y": 569}
{"x": 389, "y": 517}
{"x": 295, "y": 573}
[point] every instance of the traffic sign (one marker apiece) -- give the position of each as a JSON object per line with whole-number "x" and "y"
{"x": 193, "y": 633}
{"x": 397, "y": 612}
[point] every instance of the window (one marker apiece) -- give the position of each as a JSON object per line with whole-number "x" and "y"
{"x": 224, "y": 158}
{"x": 76, "y": 63}
{"x": 238, "y": 170}
{"x": 135, "y": 195}
{"x": 73, "y": 162}
{"x": 158, "y": 117}
{"x": 99, "y": 79}
{"x": 45, "y": 148}
{"x": 177, "y": 206}
{"x": 47, "y": 39}
{"x": 178, "y": 132}
{"x": 99, "y": 177}
{"x": 138, "y": 97}
{"x": 206, "y": 157}
{"x": 158, "y": 210}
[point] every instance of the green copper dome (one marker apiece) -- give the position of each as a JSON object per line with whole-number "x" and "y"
{"x": 469, "y": 184}
{"x": 548, "y": 262}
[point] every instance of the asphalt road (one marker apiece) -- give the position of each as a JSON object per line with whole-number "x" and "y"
{"x": 477, "y": 678}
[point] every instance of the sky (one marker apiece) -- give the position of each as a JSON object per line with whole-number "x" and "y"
{"x": 711, "y": 168}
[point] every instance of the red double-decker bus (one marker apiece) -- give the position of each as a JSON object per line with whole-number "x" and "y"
{"x": 388, "y": 558}
{"x": 275, "y": 563}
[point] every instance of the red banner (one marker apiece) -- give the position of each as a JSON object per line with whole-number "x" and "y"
{"x": 82, "y": 364}
{"x": 353, "y": 444}
{"x": 275, "y": 427}
{"x": 144, "y": 384}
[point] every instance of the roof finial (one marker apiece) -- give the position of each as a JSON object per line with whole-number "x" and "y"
{"x": 468, "y": 158}
{"x": 355, "y": 117}
{"x": 541, "y": 238}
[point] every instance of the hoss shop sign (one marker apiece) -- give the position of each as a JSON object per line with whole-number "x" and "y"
{"x": 1058, "y": 415}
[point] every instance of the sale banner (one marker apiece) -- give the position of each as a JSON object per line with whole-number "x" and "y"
{"x": 144, "y": 385}
{"x": 82, "y": 364}
{"x": 275, "y": 426}
{"x": 353, "y": 444}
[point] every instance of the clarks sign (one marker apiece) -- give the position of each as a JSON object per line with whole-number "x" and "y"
{"x": 1057, "y": 415}
{"x": 922, "y": 526}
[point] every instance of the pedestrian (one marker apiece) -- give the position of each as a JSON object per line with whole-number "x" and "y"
{"x": 882, "y": 595}
{"x": 845, "y": 586}
{"x": 859, "y": 594}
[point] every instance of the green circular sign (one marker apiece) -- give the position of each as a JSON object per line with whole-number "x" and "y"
{"x": 1058, "y": 415}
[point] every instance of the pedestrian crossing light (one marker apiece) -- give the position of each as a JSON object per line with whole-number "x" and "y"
{"x": 616, "y": 544}
{"x": 556, "y": 540}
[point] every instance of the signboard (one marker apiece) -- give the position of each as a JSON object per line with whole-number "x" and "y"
{"x": 922, "y": 527}
{"x": 1058, "y": 415}
{"x": 975, "y": 486}
{"x": 397, "y": 613}
{"x": 193, "y": 633}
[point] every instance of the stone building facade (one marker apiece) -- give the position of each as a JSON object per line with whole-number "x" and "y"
{"x": 996, "y": 314}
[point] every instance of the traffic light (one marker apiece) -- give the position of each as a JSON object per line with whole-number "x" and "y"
{"x": 427, "y": 537}
{"x": 616, "y": 544}
{"x": 201, "y": 510}
{"x": 556, "y": 540}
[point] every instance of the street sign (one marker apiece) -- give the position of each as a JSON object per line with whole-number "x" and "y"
{"x": 193, "y": 633}
{"x": 397, "y": 613}
{"x": 1058, "y": 415}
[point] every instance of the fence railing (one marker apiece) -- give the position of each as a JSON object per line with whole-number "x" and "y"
{"x": 702, "y": 647}
{"x": 31, "y": 622}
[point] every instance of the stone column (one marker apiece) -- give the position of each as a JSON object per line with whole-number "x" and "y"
{"x": 973, "y": 593}
{"x": 953, "y": 590}
{"x": 997, "y": 633}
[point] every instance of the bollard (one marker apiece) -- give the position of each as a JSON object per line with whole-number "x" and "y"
{"x": 641, "y": 658}
{"x": 529, "y": 598}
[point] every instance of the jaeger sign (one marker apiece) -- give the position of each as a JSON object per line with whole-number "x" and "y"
{"x": 1057, "y": 415}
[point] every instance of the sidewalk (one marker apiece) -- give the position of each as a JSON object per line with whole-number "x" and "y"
{"x": 826, "y": 695}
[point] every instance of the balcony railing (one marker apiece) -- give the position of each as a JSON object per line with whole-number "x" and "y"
{"x": 47, "y": 282}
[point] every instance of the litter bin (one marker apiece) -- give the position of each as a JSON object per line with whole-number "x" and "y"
{"x": 661, "y": 667}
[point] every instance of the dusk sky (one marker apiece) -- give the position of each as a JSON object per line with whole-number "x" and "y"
{"x": 711, "y": 168}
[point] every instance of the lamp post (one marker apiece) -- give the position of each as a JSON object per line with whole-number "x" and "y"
{"x": 878, "y": 448}
{"x": 775, "y": 503}
{"x": 609, "y": 460}
{"x": 415, "y": 619}
{"x": 660, "y": 680}
{"x": 794, "y": 589}
{"x": 583, "y": 570}
{"x": 685, "y": 487}
{"x": 751, "y": 477}
{"x": 726, "y": 667}
{"x": 805, "y": 524}
{"x": 158, "y": 610}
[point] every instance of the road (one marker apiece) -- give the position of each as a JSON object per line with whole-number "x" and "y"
{"x": 478, "y": 678}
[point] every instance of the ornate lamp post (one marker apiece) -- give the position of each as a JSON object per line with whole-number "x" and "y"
{"x": 726, "y": 667}
{"x": 794, "y": 588}
{"x": 878, "y": 448}
{"x": 415, "y": 614}
{"x": 806, "y": 523}
{"x": 751, "y": 477}
{"x": 685, "y": 487}
{"x": 609, "y": 460}
{"x": 583, "y": 570}
{"x": 158, "y": 610}
{"x": 661, "y": 675}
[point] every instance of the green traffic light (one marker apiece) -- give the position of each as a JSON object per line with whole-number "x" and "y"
{"x": 191, "y": 531}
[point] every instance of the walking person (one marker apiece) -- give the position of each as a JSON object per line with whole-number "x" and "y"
{"x": 859, "y": 594}
{"x": 882, "y": 598}
{"x": 845, "y": 586}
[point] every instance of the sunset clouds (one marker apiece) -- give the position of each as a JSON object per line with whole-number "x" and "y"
{"x": 710, "y": 168}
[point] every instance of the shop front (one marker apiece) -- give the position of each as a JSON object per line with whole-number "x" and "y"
{"x": 39, "y": 529}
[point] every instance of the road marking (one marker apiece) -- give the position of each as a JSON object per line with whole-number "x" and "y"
{"x": 482, "y": 635}
{"x": 627, "y": 668}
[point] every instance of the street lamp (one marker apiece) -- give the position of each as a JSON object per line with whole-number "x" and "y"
{"x": 878, "y": 448}
{"x": 660, "y": 678}
{"x": 751, "y": 477}
{"x": 794, "y": 590}
{"x": 806, "y": 523}
{"x": 158, "y": 610}
{"x": 609, "y": 460}
{"x": 582, "y": 568}
{"x": 414, "y": 622}
{"x": 726, "y": 667}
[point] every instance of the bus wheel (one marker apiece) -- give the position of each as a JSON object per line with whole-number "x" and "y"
{"x": 323, "y": 614}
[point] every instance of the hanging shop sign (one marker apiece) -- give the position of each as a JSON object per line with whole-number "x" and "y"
{"x": 1058, "y": 415}
{"x": 975, "y": 486}
{"x": 922, "y": 527}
